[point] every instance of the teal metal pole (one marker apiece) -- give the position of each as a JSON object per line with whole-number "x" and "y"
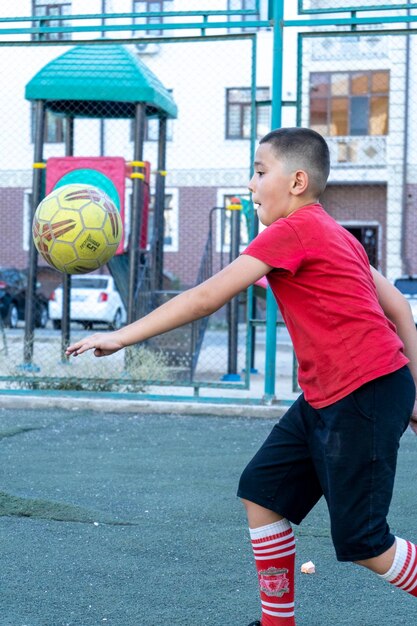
{"x": 271, "y": 306}
{"x": 300, "y": 42}
{"x": 252, "y": 224}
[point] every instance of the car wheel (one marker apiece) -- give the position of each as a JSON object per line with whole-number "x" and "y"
{"x": 42, "y": 318}
{"x": 12, "y": 316}
{"x": 117, "y": 321}
{"x": 56, "y": 324}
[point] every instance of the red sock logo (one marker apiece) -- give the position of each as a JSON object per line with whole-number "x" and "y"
{"x": 275, "y": 562}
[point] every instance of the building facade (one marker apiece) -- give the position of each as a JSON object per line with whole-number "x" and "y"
{"x": 355, "y": 89}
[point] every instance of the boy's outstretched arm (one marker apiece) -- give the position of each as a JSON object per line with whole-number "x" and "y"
{"x": 190, "y": 305}
{"x": 398, "y": 310}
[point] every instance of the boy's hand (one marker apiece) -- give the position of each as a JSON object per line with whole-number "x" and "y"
{"x": 413, "y": 419}
{"x": 103, "y": 344}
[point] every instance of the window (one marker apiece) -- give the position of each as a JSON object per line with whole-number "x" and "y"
{"x": 243, "y": 5}
{"x": 170, "y": 220}
{"x": 55, "y": 127}
{"x": 106, "y": 7}
{"x": 51, "y": 9}
{"x": 349, "y": 103}
{"x": 238, "y": 112}
{"x": 368, "y": 235}
{"x": 150, "y": 6}
{"x": 152, "y": 129}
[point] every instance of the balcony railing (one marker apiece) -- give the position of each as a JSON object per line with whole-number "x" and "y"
{"x": 353, "y": 47}
{"x": 360, "y": 151}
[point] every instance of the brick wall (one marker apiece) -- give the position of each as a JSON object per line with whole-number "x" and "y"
{"x": 194, "y": 208}
{"x": 11, "y": 228}
{"x": 362, "y": 204}
{"x": 346, "y": 203}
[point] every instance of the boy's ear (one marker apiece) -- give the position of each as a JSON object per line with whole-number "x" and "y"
{"x": 300, "y": 183}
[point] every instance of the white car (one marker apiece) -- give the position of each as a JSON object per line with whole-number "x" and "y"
{"x": 94, "y": 300}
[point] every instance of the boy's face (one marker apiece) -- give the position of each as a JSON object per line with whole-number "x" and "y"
{"x": 271, "y": 186}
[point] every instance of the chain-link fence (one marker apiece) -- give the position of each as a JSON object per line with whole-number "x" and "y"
{"x": 213, "y": 66}
{"x": 88, "y": 117}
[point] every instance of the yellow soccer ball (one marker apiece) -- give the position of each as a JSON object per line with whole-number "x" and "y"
{"x": 77, "y": 228}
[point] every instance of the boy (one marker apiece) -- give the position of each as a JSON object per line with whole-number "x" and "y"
{"x": 356, "y": 346}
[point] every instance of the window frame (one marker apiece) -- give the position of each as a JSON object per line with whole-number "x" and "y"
{"x": 148, "y": 136}
{"x": 48, "y": 4}
{"x": 172, "y": 193}
{"x": 231, "y": 5}
{"x": 163, "y": 6}
{"x": 265, "y": 102}
{"x": 151, "y": 122}
{"x": 364, "y": 225}
{"x": 152, "y": 135}
{"x": 50, "y": 117}
{"x": 352, "y": 99}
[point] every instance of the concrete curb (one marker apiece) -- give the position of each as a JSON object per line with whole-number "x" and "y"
{"x": 105, "y": 405}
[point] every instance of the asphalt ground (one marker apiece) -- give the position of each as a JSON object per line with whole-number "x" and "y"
{"x": 123, "y": 519}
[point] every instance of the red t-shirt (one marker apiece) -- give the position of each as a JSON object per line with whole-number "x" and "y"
{"x": 328, "y": 299}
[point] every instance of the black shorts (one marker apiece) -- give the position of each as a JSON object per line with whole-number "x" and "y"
{"x": 347, "y": 452}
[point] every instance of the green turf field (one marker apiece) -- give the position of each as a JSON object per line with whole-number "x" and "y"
{"x": 124, "y": 520}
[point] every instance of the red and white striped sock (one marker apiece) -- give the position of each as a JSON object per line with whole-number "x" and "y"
{"x": 274, "y": 551}
{"x": 403, "y": 572}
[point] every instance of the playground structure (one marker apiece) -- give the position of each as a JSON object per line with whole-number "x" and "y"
{"x": 64, "y": 86}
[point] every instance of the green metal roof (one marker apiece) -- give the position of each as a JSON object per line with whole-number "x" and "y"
{"x": 99, "y": 81}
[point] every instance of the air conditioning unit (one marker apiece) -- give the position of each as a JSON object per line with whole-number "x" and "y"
{"x": 147, "y": 48}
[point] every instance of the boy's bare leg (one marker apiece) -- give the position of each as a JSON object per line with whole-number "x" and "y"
{"x": 273, "y": 546}
{"x": 259, "y": 516}
{"x": 382, "y": 563}
{"x": 398, "y": 565}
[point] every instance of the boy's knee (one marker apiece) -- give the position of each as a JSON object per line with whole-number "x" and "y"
{"x": 252, "y": 507}
{"x": 259, "y": 515}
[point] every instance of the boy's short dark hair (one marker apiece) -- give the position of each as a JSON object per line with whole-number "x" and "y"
{"x": 302, "y": 148}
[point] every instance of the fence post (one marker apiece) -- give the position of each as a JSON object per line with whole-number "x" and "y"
{"x": 233, "y": 305}
{"x": 38, "y": 173}
{"x": 271, "y": 306}
{"x": 66, "y": 282}
{"x": 159, "y": 209}
{"x": 136, "y": 214}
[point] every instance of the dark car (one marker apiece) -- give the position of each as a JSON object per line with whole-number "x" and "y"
{"x": 13, "y": 285}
